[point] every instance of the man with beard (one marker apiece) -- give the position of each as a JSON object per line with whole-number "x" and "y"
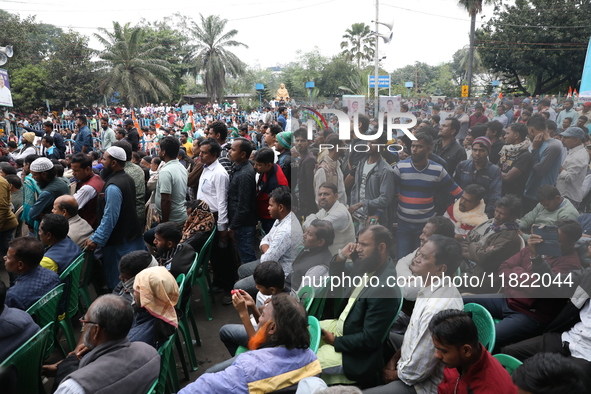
{"x": 417, "y": 180}
{"x": 175, "y": 256}
{"x": 336, "y": 213}
{"x": 468, "y": 211}
{"x": 352, "y": 349}
{"x": 111, "y": 361}
{"x": 447, "y": 146}
{"x": 280, "y": 355}
{"x": 119, "y": 231}
{"x": 88, "y": 187}
{"x": 413, "y": 367}
{"x": 108, "y": 135}
{"x": 51, "y": 187}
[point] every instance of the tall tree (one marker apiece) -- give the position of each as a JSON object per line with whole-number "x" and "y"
{"x": 358, "y": 44}
{"x": 473, "y": 7}
{"x": 536, "y": 48}
{"x": 213, "y": 57}
{"x": 131, "y": 66}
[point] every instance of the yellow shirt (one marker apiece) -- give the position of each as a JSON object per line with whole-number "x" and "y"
{"x": 48, "y": 263}
{"x": 189, "y": 147}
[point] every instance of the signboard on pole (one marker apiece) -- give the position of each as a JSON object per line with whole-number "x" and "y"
{"x": 383, "y": 81}
{"x": 464, "y": 90}
{"x": 5, "y": 94}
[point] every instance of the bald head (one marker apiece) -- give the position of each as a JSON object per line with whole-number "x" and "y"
{"x": 65, "y": 205}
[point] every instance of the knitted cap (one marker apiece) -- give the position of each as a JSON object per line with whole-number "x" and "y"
{"x": 29, "y": 137}
{"x": 41, "y": 164}
{"x": 284, "y": 139}
{"x": 484, "y": 141}
{"x": 117, "y": 153}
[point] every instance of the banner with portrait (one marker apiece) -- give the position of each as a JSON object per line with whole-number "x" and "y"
{"x": 5, "y": 94}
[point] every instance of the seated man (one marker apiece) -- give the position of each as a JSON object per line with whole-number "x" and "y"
{"x": 468, "y": 211}
{"x": 552, "y": 207}
{"x": 435, "y": 225}
{"x": 60, "y": 250}
{"x": 332, "y": 210}
{"x": 524, "y": 311}
{"x": 156, "y": 294}
{"x": 310, "y": 267}
{"x": 352, "y": 344}
{"x": 16, "y": 327}
{"x": 44, "y": 173}
{"x": 79, "y": 229}
{"x": 413, "y": 367}
{"x": 469, "y": 367}
{"x": 113, "y": 364}
{"x": 175, "y": 256}
{"x": 282, "y": 244}
{"x": 33, "y": 281}
{"x": 129, "y": 266}
{"x": 550, "y": 373}
{"x": 280, "y": 355}
{"x": 270, "y": 280}
{"x": 492, "y": 242}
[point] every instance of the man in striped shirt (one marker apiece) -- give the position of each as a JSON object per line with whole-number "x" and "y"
{"x": 417, "y": 179}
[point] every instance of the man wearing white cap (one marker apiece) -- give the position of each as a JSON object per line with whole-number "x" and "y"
{"x": 119, "y": 231}
{"x": 51, "y": 188}
{"x": 574, "y": 168}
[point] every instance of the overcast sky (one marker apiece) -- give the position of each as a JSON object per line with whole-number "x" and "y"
{"x": 424, "y": 30}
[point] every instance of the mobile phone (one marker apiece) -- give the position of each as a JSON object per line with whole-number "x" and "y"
{"x": 550, "y": 245}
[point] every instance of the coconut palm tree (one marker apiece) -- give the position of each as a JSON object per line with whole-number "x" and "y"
{"x": 131, "y": 66}
{"x": 473, "y": 7}
{"x": 213, "y": 58}
{"x": 358, "y": 44}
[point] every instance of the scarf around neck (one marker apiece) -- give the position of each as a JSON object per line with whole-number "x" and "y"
{"x": 512, "y": 152}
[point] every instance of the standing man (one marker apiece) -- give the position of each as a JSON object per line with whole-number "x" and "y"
{"x": 8, "y": 221}
{"x": 57, "y": 138}
{"x": 138, "y": 175}
{"x": 133, "y": 136}
{"x": 478, "y": 116}
{"x": 219, "y": 132}
{"x": 213, "y": 189}
{"x": 494, "y": 132}
{"x": 575, "y": 165}
{"x": 242, "y": 199}
{"x": 119, "y": 231}
{"x": 515, "y": 160}
{"x": 108, "y": 135}
{"x": 171, "y": 188}
{"x": 305, "y": 181}
{"x": 447, "y": 146}
{"x": 329, "y": 169}
{"x": 282, "y": 118}
{"x": 568, "y": 112}
{"x": 283, "y": 148}
{"x": 88, "y": 187}
{"x": 186, "y": 144}
{"x": 464, "y": 120}
{"x": 51, "y": 188}
{"x": 83, "y": 142}
{"x": 546, "y": 152}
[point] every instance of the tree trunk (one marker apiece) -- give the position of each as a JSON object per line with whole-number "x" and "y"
{"x": 471, "y": 52}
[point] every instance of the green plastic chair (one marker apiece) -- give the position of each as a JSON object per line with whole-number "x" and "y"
{"x": 185, "y": 308}
{"x": 168, "y": 379}
{"x": 71, "y": 277}
{"x": 509, "y": 362}
{"x": 315, "y": 333}
{"x": 484, "y": 323}
{"x": 45, "y": 311}
{"x": 306, "y": 296}
{"x": 201, "y": 275}
{"x": 317, "y": 306}
{"x": 152, "y": 390}
{"x": 27, "y": 361}
{"x": 85, "y": 298}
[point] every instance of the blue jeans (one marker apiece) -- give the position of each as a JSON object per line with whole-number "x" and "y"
{"x": 112, "y": 255}
{"x": 514, "y": 327}
{"x": 407, "y": 237}
{"x": 245, "y": 279}
{"x": 244, "y": 237}
{"x": 233, "y": 335}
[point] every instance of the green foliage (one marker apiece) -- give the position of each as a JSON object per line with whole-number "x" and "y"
{"x": 534, "y": 46}
{"x": 358, "y": 44}
{"x": 72, "y": 71}
{"x": 335, "y": 74}
{"x": 28, "y": 87}
{"x": 132, "y": 67}
{"x": 213, "y": 58}
{"x": 20, "y": 34}
{"x": 307, "y": 67}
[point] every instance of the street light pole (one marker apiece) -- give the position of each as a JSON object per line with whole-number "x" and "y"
{"x": 377, "y": 64}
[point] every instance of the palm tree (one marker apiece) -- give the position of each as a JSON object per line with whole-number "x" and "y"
{"x": 473, "y": 7}
{"x": 213, "y": 58}
{"x": 359, "y": 44}
{"x": 131, "y": 66}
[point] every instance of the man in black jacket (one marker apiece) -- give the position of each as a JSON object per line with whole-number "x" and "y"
{"x": 133, "y": 136}
{"x": 241, "y": 199}
{"x": 447, "y": 146}
{"x": 175, "y": 256}
{"x": 58, "y": 140}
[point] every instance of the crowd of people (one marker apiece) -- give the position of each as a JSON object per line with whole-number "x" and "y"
{"x": 489, "y": 197}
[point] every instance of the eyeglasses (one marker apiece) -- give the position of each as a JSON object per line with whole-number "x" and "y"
{"x": 83, "y": 322}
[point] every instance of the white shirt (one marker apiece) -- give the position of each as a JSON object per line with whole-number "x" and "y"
{"x": 5, "y": 97}
{"x": 213, "y": 189}
{"x": 570, "y": 180}
{"x": 70, "y": 386}
{"x": 418, "y": 366}
{"x": 84, "y": 195}
{"x": 284, "y": 240}
{"x": 340, "y": 218}
{"x": 579, "y": 337}
{"x": 412, "y": 288}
